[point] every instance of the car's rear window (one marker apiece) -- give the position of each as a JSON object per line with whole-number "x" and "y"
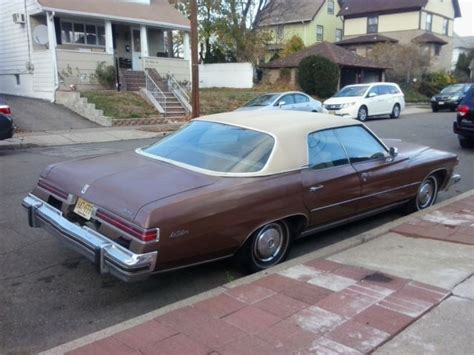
{"x": 469, "y": 98}
{"x": 217, "y": 147}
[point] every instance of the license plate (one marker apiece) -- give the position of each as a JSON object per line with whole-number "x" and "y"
{"x": 83, "y": 208}
{"x": 332, "y": 112}
{"x": 441, "y": 103}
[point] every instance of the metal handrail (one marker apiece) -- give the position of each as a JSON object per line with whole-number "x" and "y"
{"x": 179, "y": 92}
{"x": 155, "y": 91}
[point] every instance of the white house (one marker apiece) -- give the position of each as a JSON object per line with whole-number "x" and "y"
{"x": 461, "y": 45}
{"x": 47, "y": 45}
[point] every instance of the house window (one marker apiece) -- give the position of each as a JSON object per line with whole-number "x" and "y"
{"x": 445, "y": 26}
{"x": 429, "y": 22}
{"x": 437, "y": 49}
{"x": 338, "y": 34}
{"x": 372, "y": 24}
{"x": 82, "y": 33}
{"x": 331, "y": 7}
{"x": 319, "y": 33}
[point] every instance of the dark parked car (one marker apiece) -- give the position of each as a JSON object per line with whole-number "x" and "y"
{"x": 241, "y": 183}
{"x": 464, "y": 125}
{"x": 450, "y": 97}
{"x": 6, "y": 122}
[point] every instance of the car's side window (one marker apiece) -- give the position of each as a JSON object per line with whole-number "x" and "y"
{"x": 360, "y": 144}
{"x": 287, "y": 99}
{"x": 325, "y": 150}
{"x": 385, "y": 90}
{"x": 394, "y": 89}
{"x": 300, "y": 99}
{"x": 374, "y": 90}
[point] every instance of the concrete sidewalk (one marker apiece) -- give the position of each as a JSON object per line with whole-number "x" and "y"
{"x": 86, "y": 135}
{"x": 403, "y": 288}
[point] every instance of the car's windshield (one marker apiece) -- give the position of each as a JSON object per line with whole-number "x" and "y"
{"x": 216, "y": 147}
{"x": 262, "y": 100}
{"x": 352, "y": 91}
{"x": 452, "y": 89}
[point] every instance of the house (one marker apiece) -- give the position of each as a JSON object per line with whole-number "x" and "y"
{"x": 426, "y": 23}
{"x": 314, "y": 21}
{"x": 49, "y": 45}
{"x": 354, "y": 69}
{"x": 461, "y": 45}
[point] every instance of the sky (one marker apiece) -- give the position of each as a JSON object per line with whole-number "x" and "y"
{"x": 464, "y": 26}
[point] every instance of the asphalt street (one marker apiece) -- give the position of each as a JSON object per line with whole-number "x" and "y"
{"x": 50, "y": 295}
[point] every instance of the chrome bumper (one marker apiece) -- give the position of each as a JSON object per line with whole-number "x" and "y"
{"x": 455, "y": 178}
{"x": 108, "y": 256}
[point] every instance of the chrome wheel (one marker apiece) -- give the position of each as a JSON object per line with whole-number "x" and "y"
{"x": 362, "y": 114}
{"x": 268, "y": 242}
{"x": 427, "y": 193}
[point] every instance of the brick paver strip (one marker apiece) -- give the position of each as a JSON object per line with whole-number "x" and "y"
{"x": 283, "y": 313}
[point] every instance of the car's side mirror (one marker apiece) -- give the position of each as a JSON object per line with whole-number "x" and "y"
{"x": 372, "y": 94}
{"x": 281, "y": 104}
{"x": 393, "y": 152}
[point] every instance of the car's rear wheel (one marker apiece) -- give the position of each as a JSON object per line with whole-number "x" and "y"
{"x": 395, "y": 111}
{"x": 267, "y": 247}
{"x": 426, "y": 195}
{"x": 362, "y": 114}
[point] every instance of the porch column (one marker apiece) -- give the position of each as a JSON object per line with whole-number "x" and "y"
{"x": 144, "y": 40}
{"x": 52, "y": 43}
{"x": 109, "y": 40}
{"x": 186, "y": 46}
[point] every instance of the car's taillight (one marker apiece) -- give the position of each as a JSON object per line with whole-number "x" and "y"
{"x": 5, "y": 110}
{"x": 53, "y": 189}
{"x": 145, "y": 235}
{"x": 463, "y": 110}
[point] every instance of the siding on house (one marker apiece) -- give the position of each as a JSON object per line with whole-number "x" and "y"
{"x": 78, "y": 68}
{"x": 23, "y": 69}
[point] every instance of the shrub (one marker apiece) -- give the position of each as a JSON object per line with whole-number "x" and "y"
{"x": 318, "y": 76}
{"x": 430, "y": 84}
{"x": 293, "y": 45}
{"x": 106, "y": 75}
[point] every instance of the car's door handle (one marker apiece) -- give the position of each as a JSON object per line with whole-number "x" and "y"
{"x": 316, "y": 188}
{"x": 364, "y": 176}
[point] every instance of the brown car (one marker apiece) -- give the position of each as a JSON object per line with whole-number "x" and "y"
{"x": 241, "y": 183}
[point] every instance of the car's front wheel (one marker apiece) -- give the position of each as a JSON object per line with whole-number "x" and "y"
{"x": 362, "y": 114}
{"x": 426, "y": 195}
{"x": 267, "y": 247}
{"x": 395, "y": 111}
{"x": 434, "y": 108}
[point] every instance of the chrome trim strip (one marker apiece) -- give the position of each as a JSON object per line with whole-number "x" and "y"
{"x": 193, "y": 264}
{"x": 362, "y": 197}
{"x": 350, "y": 219}
{"x": 108, "y": 256}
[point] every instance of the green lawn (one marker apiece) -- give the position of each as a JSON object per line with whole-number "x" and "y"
{"x": 121, "y": 105}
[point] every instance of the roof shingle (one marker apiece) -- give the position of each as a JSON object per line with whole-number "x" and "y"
{"x": 279, "y": 12}
{"x": 370, "y": 38}
{"x": 334, "y": 53}
{"x": 159, "y": 12}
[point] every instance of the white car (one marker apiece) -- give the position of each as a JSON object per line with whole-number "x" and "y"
{"x": 362, "y": 101}
{"x": 290, "y": 100}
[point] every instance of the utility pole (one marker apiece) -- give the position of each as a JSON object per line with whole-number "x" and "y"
{"x": 194, "y": 61}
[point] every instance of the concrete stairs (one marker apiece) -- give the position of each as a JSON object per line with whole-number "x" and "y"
{"x": 133, "y": 80}
{"x": 80, "y": 105}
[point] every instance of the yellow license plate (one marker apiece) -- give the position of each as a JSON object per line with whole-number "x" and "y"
{"x": 84, "y": 208}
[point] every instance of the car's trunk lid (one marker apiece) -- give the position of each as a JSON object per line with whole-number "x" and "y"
{"x": 123, "y": 183}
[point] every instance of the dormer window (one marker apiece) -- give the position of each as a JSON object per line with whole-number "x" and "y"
{"x": 330, "y": 7}
{"x": 372, "y": 24}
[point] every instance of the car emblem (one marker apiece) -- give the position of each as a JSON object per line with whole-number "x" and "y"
{"x": 84, "y": 189}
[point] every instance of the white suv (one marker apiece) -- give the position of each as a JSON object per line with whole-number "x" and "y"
{"x": 362, "y": 101}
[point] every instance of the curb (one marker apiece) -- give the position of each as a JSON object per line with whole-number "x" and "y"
{"x": 318, "y": 254}
{"x": 17, "y": 146}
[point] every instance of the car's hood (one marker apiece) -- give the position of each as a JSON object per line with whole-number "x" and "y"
{"x": 342, "y": 100}
{"x": 123, "y": 183}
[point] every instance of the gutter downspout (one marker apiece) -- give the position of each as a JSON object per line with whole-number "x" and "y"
{"x": 52, "y": 47}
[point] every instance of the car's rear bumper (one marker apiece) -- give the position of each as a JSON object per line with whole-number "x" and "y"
{"x": 466, "y": 131}
{"x": 108, "y": 256}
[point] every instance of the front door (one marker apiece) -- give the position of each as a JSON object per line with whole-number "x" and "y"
{"x": 331, "y": 186}
{"x": 137, "y": 63}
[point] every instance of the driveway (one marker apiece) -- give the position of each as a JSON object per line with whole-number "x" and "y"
{"x": 32, "y": 115}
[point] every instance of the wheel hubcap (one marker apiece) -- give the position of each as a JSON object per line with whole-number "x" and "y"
{"x": 396, "y": 111}
{"x": 362, "y": 115}
{"x": 425, "y": 195}
{"x": 269, "y": 242}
